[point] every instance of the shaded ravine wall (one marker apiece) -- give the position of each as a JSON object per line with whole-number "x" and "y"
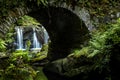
{"x": 66, "y": 30}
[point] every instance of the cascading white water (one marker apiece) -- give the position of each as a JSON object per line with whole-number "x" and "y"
{"x": 46, "y": 36}
{"x": 19, "y": 38}
{"x": 36, "y": 43}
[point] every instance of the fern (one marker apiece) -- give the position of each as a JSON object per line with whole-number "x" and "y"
{"x": 2, "y": 45}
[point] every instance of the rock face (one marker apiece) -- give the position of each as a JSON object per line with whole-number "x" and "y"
{"x": 66, "y": 30}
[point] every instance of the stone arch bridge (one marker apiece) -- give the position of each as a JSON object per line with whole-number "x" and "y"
{"x": 64, "y": 24}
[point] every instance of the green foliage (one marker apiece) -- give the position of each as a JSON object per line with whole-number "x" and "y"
{"x": 7, "y": 39}
{"x": 44, "y": 2}
{"x": 114, "y": 33}
{"x": 2, "y": 45}
{"x": 96, "y": 56}
{"x": 83, "y": 51}
{"x": 102, "y": 40}
{"x": 9, "y": 35}
{"x": 42, "y": 54}
{"x": 22, "y": 72}
{"x": 7, "y": 5}
{"x": 2, "y": 54}
{"x": 20, "y": 55}
{"x": 17, "y": 66}
{"x": 27, "y": 20}
{"x": 99, "y": 9}
{"x": 97, "y": 53}
{"x": 28, "y": 43}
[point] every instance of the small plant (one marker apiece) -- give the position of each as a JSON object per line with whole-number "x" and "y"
{"x": 28, "y": 43}
{"x": 2, "y": 45}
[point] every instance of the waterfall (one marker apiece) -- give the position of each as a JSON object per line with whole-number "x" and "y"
{"x": 36, "y": 43}
{"x": 46, "y": 36}
{"x": 19, "y": 38}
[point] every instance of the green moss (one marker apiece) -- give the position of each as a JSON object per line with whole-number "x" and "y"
{"x": 19, "y": 53}
{"x": 78, "y": 53}
{"x": 41, "y": 57}
{"x": 27, "y": 20}
{"x": 40, "y": 75}
{"x": 42, "y": 54}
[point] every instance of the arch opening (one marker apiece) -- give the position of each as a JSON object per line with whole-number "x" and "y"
{"x": 66, "y": 30}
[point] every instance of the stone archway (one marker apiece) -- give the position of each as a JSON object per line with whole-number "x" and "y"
{"x": 66, "y": 30}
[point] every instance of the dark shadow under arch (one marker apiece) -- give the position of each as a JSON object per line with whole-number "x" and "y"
{"x": 66, "y": 30}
